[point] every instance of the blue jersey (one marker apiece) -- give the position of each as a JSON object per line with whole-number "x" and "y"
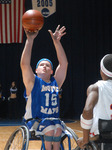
{"x": 43, "y": 102}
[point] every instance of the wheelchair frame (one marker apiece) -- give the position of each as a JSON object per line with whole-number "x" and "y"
{"x": 20, "y": 138}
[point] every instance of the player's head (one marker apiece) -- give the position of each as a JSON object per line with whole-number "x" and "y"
{"x": 44, "y": 59}
{"x": 106, "y": 65}
{"x": 46, "y": 63}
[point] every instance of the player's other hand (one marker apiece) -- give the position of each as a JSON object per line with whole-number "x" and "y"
{"x": 59, "y": 32}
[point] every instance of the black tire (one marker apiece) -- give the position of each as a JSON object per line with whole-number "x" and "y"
{"x": 19, "y": 139}
{"x": 26, "y": 138}
{"x": 90, "y": 146}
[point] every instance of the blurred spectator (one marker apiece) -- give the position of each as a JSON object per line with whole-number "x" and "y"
{"x": 12, "y": 101}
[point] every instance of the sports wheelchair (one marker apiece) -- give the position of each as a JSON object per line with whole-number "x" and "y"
{"x": 20, "y": 138}
{"x": 104, "y": 142}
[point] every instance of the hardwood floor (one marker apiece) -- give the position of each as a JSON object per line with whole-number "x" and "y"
{"x": 6, "y": 131}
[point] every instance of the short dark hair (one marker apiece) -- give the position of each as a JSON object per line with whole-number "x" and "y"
{"x": 107, "y": 62}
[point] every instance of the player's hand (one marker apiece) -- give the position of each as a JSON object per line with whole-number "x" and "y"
{"x": 59, "y": 32}
{"x": 81, "y": 143}
{"x": 31, "y": 34}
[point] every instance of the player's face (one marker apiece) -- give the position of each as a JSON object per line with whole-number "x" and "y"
{"x": 44, "y": 67}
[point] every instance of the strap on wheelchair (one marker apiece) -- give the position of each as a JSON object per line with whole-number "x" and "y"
{"x": 39, "y": 120}
{"x": 52, "y": 139}
{"x": 57, "y": 139}
{"x": 48, "y": 138}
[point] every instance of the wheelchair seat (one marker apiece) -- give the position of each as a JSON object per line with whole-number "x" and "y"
{"x": 105, "y": 135}
{"x": 105, "y": 129}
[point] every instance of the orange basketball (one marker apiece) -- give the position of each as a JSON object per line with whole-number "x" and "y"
{"x": 32, "y": 20}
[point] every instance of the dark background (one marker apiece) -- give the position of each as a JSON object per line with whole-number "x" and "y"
{"x": 89, "y": 37}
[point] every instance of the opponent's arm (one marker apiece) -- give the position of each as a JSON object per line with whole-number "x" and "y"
{"x": 61, "y": 70}
{"x": 87, "y": 115}
{"x": 27, "y": 73}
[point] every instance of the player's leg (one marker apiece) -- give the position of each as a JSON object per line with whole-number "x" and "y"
{"x": 47, "y": 127}
{"x": 57, "y": 139}
{"x": 48, "y": 137}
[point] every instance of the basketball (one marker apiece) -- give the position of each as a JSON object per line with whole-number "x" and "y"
{"x": 32, "y": 20}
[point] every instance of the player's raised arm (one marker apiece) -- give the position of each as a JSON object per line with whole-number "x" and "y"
{"x": 61, "y": 70}
{"x": 32, "y": 22}
{"x": 27, "y": 73}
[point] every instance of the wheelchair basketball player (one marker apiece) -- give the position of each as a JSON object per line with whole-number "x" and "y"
{"x": 42, "y": 89}
{"x": 98, "y": 103}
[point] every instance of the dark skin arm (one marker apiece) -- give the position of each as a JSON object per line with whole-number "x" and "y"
{"x": 91, "y": 101}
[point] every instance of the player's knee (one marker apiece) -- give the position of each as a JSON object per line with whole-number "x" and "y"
{"x": 58, "y": 132}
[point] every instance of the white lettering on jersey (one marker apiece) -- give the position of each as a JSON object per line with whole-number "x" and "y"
{"x": 43, "y": 110}
{"x": 49, "y": 110}
{"x": 49, "y": 88}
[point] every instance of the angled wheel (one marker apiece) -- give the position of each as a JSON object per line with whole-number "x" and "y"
{"x": 18, "y": 140}
{"x": 69, "y": 140}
